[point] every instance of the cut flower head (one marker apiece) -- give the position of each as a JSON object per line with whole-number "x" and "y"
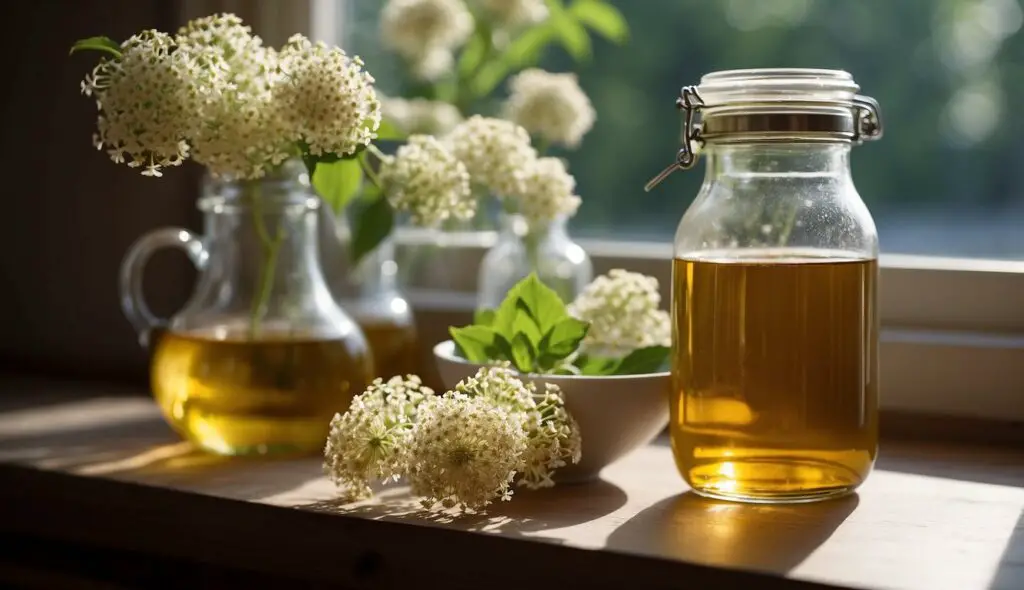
{"x": 462, "y": 449}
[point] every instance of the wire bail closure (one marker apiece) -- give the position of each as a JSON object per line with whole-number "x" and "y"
{"x": 866, "y": 126}
{"x": 689, "y": 102}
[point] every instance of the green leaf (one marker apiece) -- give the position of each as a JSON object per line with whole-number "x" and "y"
{"x": 369, "y": 194}
{"x": 597, "y": 366}
{"x": 484, "y": 317}
{"x": 572, "y": 35}
{"x": 541, "y": 303}
{"x": 312, "y": 161}
{"x": 603, "y": 18}
{"x": 488, "y": 78}
{"x": 563, "y": 339}
{"x": 475, "y": 52}
{"x": 476, "y": 343}
{"x": 97, "y": 44}
{"x": 524, "y": 324}
{"x": 338, "y": 182}
{"x": 505, "y": 316}
{"x": 523, "y": 353}
{"x": 371, "y": 226}
{"x": 389, "y": 131}
{"x": 527, "y": 48}
{"x": 644, "y": 360}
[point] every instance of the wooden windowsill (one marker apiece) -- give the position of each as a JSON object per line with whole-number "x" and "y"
{"x": 103, "y": 482}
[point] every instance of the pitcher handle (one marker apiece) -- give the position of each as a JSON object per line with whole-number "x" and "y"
{"x": 133, "y": 302}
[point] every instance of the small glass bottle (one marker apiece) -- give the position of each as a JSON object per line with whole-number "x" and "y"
{"x": 261, "y": 357}
{"x": 774, "y": 305}
{"x": 522, "y": 248}
{"x": 370, "y": 292}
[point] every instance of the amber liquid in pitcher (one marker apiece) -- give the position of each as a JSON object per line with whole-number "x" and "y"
{"x": 394, "y": 345}
{"x": 775, "y": 386}
{"x": 273, "y": 395}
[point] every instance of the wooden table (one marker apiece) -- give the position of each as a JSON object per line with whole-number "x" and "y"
{"x": 100, "y": 490}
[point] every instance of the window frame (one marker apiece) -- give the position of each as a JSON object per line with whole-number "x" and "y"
{"x": 952, "y": 329}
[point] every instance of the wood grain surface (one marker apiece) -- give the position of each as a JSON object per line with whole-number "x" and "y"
{"x": 106, "y": 472}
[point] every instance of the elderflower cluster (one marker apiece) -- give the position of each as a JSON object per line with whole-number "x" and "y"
{"x": 240, "y": 132}
{"x": 426, "y": 180}
{"x": 369, "y": 441}
{"x": 426, "y": 32}
{"x": 462, "y": 449}
{"x": 623, "y": 311}
{"x": 515, "y": 13}
{"x": 553, "y": 435}
{"x": 497, "y": 153}
{"x": 147, "y": 100}
{"x": 326, "y": 98}
{"x": 215, "y": 93}
{"x": 548, "y": 192}
{"x": 550, "y": 106}
{"x": 421, "y": 116}
{"x": 464, "y": 452}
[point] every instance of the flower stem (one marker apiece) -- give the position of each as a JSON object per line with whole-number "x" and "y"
{"x": 367, "y": 168}
{"x": 531, "y": 243}
{"x": 270, "y": 247}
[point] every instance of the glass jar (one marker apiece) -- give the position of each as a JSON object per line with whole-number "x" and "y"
{"x": 775, "y": 275}
{"x": 522, "y": 248}
{"x": 370, "y": 292}
{"x": 261, "y": 356}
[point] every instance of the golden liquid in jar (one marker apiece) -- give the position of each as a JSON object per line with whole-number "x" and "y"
{"x": 394, "y": 345}
{"x": 775, "y": 376}
{"x": 274, "y": 395}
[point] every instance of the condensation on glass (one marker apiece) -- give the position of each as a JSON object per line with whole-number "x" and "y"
{"x": 775, "y": 274}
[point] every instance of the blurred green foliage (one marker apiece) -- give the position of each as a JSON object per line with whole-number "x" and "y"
{"x": 947, "y": 73}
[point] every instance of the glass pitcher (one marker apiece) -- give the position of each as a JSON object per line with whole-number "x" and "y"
{"x": 524, "y": 247}
{"x": 775, "y": 341}
{"x": 261, "y": 357}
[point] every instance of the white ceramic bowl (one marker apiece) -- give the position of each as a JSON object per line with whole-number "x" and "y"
{"x": 616, "y": 414}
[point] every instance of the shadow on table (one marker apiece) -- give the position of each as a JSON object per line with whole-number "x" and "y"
{"x": 529, "y": 511}
{"x": 749, "y": 536}
{"x": 1010, "y": 573}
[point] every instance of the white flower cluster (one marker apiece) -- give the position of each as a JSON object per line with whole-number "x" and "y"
{"x": 515, "y": 13}
{"x": 149, "y": 72}
{"x": 462, "y": 449}
{"x": 623, "y": 311}
{"x": 500, "y": 159}
{"x": 425, "y": 179}
{"x": 326, "y": 98}
{"x": 239, "y": 132}
{"x": 497, "y": 153}
{"x": 215, "y": 93}
{"x": 550, "y": 106}
{"x": 369, "y": 441}
{"x": 553, "y": 438}
{"x": 426, "y": 32}
{"x": 548, "y": 192}
{"x": 464, "y": 452}
{"x": 417, "y": 116}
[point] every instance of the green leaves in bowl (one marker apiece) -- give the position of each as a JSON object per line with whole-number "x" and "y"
{"x": 532, "y": 329}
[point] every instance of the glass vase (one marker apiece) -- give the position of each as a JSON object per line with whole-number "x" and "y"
{"x": 261, "y": 357}
{"x": 524, "y": 247}
{"x": 370, "y": 292}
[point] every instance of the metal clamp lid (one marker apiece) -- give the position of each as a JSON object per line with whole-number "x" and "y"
{"x": 855, "y": 119}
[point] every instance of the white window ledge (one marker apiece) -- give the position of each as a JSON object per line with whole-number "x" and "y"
{"x": 952, "y": 329}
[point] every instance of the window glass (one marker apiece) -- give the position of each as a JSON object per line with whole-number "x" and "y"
{"x": 945, "y": 180}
